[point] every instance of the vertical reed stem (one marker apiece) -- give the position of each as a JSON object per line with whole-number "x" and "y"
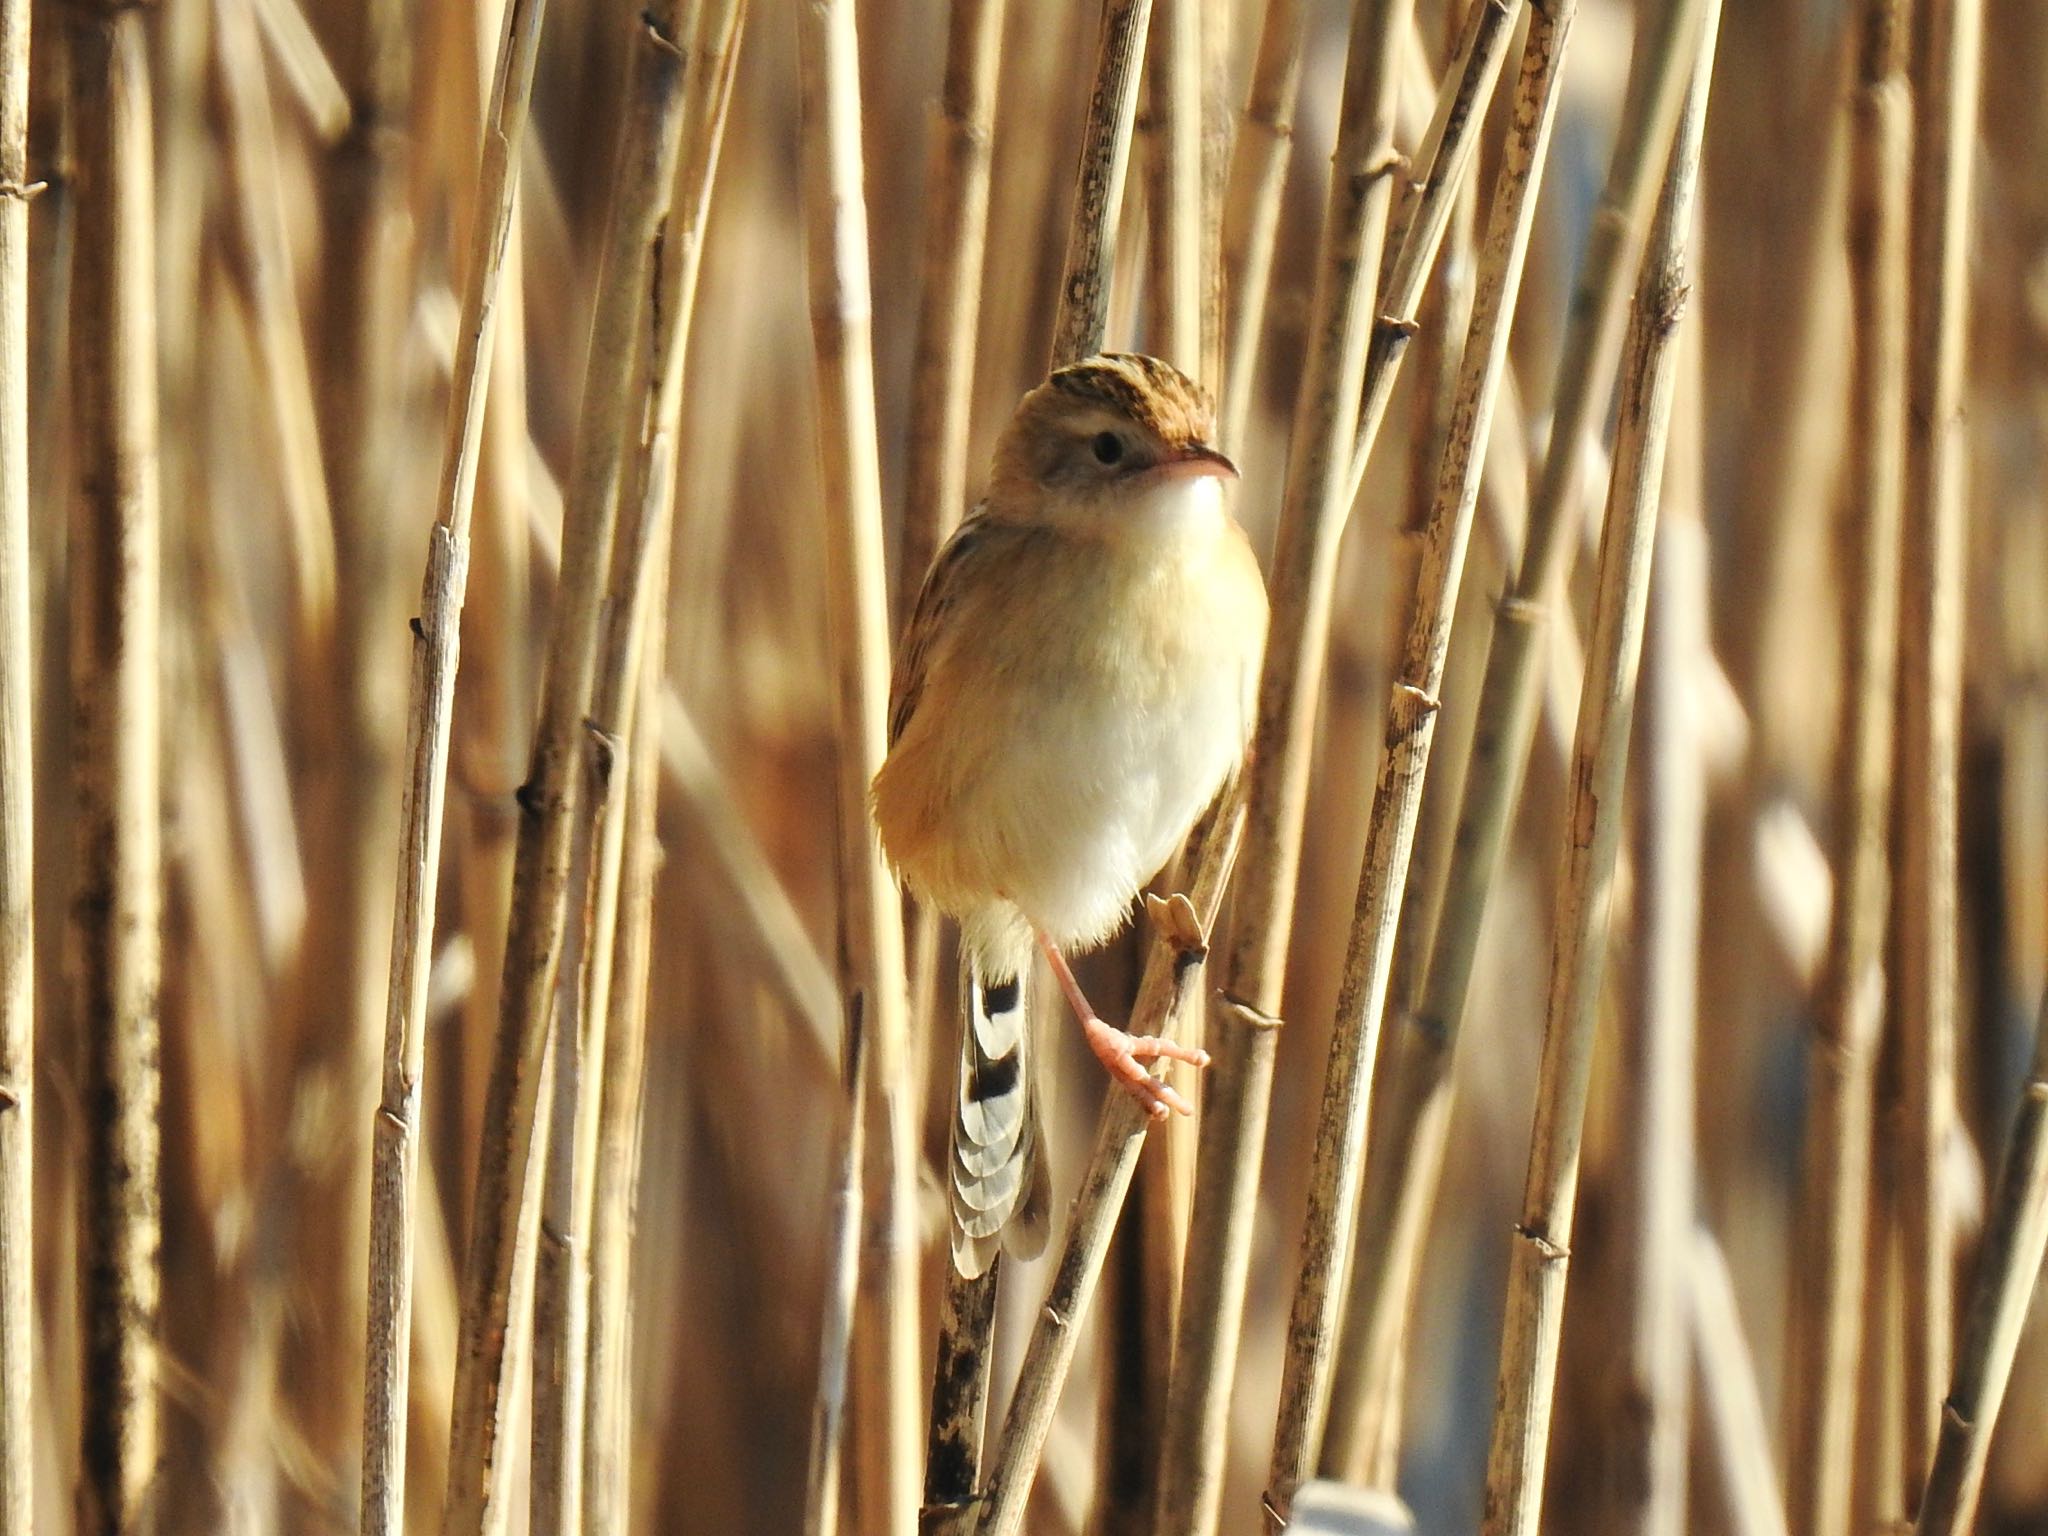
{"x": 117, "y": 898}
{"x": 17, "y": 807}
{"x": 1541, "y": 1256}
{"x": 394, "y": 1159}
{"x": 550, "y": 799}
{"x": 1946, "y": 70}
{"x": 1827, "y": 1279}
{"x": 871, "y": 957}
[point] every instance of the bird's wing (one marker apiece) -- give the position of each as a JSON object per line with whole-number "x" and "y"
{"x": 963, "y": 554}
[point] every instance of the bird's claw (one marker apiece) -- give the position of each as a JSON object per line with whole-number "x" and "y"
{"x": 1123, "y": 1056}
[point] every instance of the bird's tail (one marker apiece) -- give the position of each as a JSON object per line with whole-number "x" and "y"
{"x": 1000, "y": 1196}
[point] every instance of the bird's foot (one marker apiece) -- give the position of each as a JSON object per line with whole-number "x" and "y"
{"x": 1123, "y": 1055}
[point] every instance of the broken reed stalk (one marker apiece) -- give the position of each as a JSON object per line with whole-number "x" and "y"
{"x": 1083, "y": 317}
{"x": 1301, "y": 579}
{"x": 1336, "y": 1165}
{"x": 609, "y": 1147}
{"x": 949, "y": 297}
{"x": 1738, "y": 1441}
{"x": 1827, "y": 1282}
{"x": 394, "y": 1165}
{"x": 1946, "y": 71}
{"x": 549, "y": 800}
{"x": 872, "y": 981}
{"x": 842, "y": 1290}
{"x": 1402, "y": 1179}
{"x": 1251, "y": 207}
{"x": 266, "y": 275}
{"x": 17, "y": 812}
{"x": 116, "y": 898}
{"x": 1170, "y": 986}
{"x": 1540, "y": 1260}
{"x": 2008, "y": 1272}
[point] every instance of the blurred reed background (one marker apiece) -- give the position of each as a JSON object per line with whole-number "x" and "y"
{"x": 662, "y": 396}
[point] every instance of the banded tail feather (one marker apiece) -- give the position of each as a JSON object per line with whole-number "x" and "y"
{"x": 1000, "y": 1196}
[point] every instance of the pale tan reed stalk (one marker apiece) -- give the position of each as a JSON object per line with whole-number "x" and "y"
{"x": 1539, "y": 1264}
{"x": 1301, "y": 581}
{"x": 830, "y": 1403}
{"x": 2008, "y": 1273}
{"x": 116, "y": 894}
{"x": 17, "y": 813}
{"x": 1738, "y": 1441}
{"x": 1251, "y": 206}
{"x": 1171, "y": 984}
{"x": 638, "y": 590}
{"x": 306, "y": 68}
{"x": 1401, "y": 1180}
{"x": 949, "y": 296}
{"x": 266, "y": 278}
{"x": 650, "y": 136}
{"x": 1827, "y": 1271}
{"x": 1648, "y": 1376}
{"x": 1336, "y": 1165}
{"x": 941, "y": 401}
{"x": 608, "y": 1146}
{"x": 1946, "y": 75}
{"x": 394, "y": 1166}
{"x": 872, "y": 981}
{"x": 1176, "y": 279}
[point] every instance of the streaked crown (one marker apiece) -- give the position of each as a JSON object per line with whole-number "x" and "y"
{"x": 1159, "y": 410}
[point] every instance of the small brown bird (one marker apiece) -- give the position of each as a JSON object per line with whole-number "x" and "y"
{"x": 1075, "y": 686}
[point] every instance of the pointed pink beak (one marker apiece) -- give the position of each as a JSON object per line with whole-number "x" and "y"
{"x": 1196, "y": 459}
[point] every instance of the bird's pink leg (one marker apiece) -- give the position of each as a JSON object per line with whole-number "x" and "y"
{"x": 1123, "y": 1054}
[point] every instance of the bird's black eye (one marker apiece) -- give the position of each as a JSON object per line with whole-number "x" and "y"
{"x": 1107, "y": 447}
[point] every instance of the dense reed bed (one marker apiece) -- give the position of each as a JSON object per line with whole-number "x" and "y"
{"x": 464, "y": 1063}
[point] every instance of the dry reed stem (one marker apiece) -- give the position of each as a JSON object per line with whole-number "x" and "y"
{"x": 612, "y": 1137}
{"x": 949, "y": 297}
{"x": 1176, "y": 279}
{"x": 549, "y": 801}
{"x": 1412, "y": 714}
{"x": 1540, "y": 1259}
{"x": 607, "y": 1458}
{"x": 1417, "y": 227}
{"x": 306, "y": 68}
{"x": 941, "y": 404}
{"x": 2008, "y": 1272}
{"x": 871, "y": 977}
{"x": 1827, "y": 1293}
{"x": 116, "y": 900}
{"x": 17, "y": 814}
{"x": 959, "y": 1411}
{"x": 266, "y": 275}
{"x": 638, "y": 592}
{"x": 1301, "y": 579}
{"x": 1946, "y": 72}
{"x": 829, "y": 1403}
{"x": 1251, "y": 205}
{"x": 394, "y": 1173}
{"x": 1738, "y": 1442}
{"x": 1649, "y": 1373}
{"x": 1171, "y": 983}
{"x": 1099, "y": 183}
{"x": 1402, "y": 1180}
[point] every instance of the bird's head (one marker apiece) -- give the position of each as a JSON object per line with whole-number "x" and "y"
{"x": 1108, "y": 427}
